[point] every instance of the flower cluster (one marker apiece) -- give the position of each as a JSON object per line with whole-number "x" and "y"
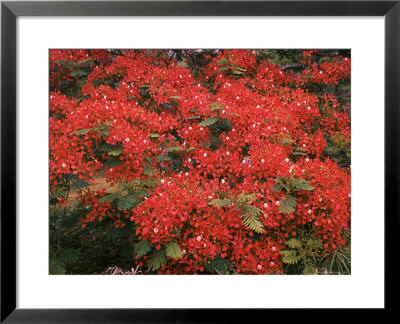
{"x": 217, "y": 166}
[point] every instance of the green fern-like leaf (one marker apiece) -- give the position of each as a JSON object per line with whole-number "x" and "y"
{"x": 173, "y": 250}
{"x": 332, "y": 149}
{"x": 57, "y": 267}
{"x": 252, "y": 211}
{"x": 303, "y": 185}
{"x": 78, "y": 72}
{"x": 290, "y": 256}
{"x": 217, "y": 264}
{"x": 298, "y": 153}
{"x": 314, "y": 244}
{"x": 104, "y": 132}
{"x": 59, "y": 194}
{"x": 294, "y": 243}
{"x": 309, "y": 270}
{"x": 148, "y": 170}
{"x": 252, "y": 222}
{"x": 127, "y": 202}
{"x": 220, "y": 202}
{"x": 277, "y": 187}
{"x": 245, "y": 199}
{"x": 157, "y": 261}
{"x": 224, "y": 68}
{"x": 142, "y": 248}
{"x": 82, "y": 131}
{"x": 173, "y": 149}
{"x": 286, "y": 141}
{"x": 225, "y": 60}
{"x": 116, "y": 151}
{"x": 69, "y": 255}
{"x": 216, "y": 106}
{"x": 79, "y": 184}
{"x": 86, "y": 62}
{"x": 106, "y": 147}
{"x": 110, "y": 197}
{"x": 209, "y": 121}
{"x": 67, "y": 64}
{"x": 114, "y": 233}
{"x": 288, "y": 204}
{"x": 164, "y": 158}
{"x": 142, "y": 193}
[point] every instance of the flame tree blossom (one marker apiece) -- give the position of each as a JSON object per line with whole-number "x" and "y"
{"x": 217, "y": 164}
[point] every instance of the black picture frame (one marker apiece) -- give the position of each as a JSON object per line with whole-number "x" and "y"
{"x": 10, "y": 10}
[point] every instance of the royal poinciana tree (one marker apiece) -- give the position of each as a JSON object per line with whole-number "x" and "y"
{"x": 219, "y": 161}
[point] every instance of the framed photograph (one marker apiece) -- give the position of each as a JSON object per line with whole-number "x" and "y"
{"x": 159, "y": 158}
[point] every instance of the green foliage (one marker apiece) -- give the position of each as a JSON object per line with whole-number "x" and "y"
{"x": 86, "y": 62}
{"x": 338, "y": 149}
{"x": 278, "y": 187}
{"x": 337, "y": 261}
{"x": 291, "y": 185}
{"x": 164, "y": 158}
{"x": 309, "y": 270}
{"x": 245, "y": 199}
{"x": 114, "y": 232}
{"x": 98, "y": 245}
{"x": 78, "y": 72}
{"x": 306, "y": 255}
{"x": 82, "y": 131}
{"x": 253, "y": 222}
{"x": 290, "y": 257}
{"x": 78, "y": 184}
{"x": 303, "y": 185}
{"x": 294, "y": 243}
{"x": 69, "y": 255}
{"x": 299, "y": 151}
{"x": 288, "y": 204}
{"x": 250, "y": 214}
{"x": 127, "y": 202}
{"x": 218, "y": 265}
{"x": 157, "y": 261}
{"x": 216, "y": 106}
{"x": 66, "y": 64}
{"x": 209, "y": 121}
{"x": 220, "y": 202}
{"x": 110, "y": 197}
{"x": 59, "y": 193}
{"x": 117, "y": 150}
{"x": 148, "y": 170}
{"x": 224, "y": 68}
{"x": 173, "y": 250}
{"x": 173, "y": 149}
{"x": 57, "y": 267}
{"x": 286, "y": 141}
{"x": 113, "y": 162}
{"x": 142, "y": 248}
{"x": 59, "y": 260}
